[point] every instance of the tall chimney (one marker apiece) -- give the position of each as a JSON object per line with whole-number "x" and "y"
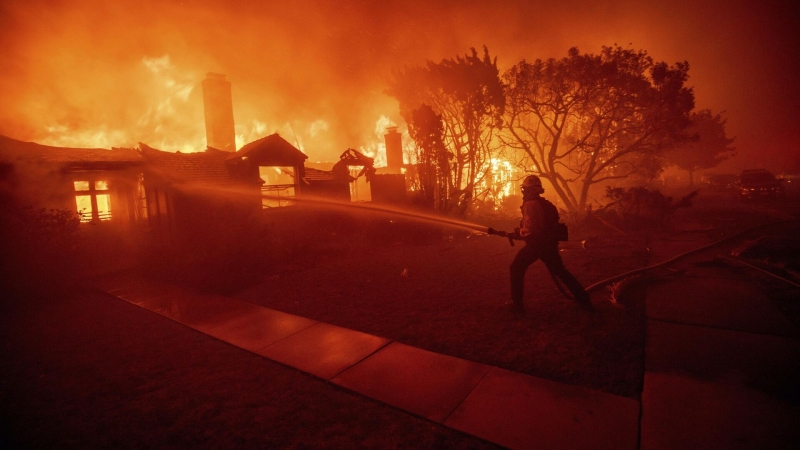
{"x": 219, "y": 112}
{"x": 394, "y": 150}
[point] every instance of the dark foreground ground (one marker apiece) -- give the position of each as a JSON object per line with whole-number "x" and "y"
{"x": 91, "y": 371}
{"x": 449, "y": 295}
{"x": 82, "y": 369}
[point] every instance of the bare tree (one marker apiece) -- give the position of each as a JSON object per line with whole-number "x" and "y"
{"x": 587, "y": 119}
{"x": 468, "y": 96}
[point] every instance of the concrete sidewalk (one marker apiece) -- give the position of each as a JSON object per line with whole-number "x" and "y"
{"x": 511, "y": 409}
{"x": 722, "y": 365}
{"x": 722, "y": 369}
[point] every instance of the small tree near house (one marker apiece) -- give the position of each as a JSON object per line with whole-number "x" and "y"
{"x": 466, "y": 96}
{"x": 432, "y": 160}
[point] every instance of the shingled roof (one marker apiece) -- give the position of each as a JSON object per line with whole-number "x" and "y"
{"x": 19, "y": 152}
{"x": 272, "y": 150}
{"x": 208, "y": 167}
{"x": 313, "y": 175}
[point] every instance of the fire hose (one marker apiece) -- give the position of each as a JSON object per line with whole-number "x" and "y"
{"x": 515, "y": 235}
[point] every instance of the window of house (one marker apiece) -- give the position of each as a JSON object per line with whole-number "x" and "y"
{"x": 93, "y": 200}
{"x": 279, "y": 186}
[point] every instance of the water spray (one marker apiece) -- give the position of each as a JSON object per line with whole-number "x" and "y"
{"x": 329, "y": 203}
{"x": 397, "y": 212}
{"x": 323, "y": 202}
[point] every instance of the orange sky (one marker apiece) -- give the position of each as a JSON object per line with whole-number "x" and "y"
{"x": 87, "y": 73}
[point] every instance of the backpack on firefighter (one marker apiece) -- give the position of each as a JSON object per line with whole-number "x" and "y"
{"x": 555, "y": 228}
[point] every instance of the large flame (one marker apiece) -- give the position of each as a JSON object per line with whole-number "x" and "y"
{"x": 103, "y": 74}
{"x": 173, "y": 122}
{"x": 375, "y": 147}
{"x": 171, "y": 117}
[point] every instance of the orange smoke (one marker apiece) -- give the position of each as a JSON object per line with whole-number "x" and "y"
{"x": 88, "y": 73}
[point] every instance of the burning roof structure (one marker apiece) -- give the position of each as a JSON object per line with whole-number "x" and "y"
{"x": 174, "y": 190}
{"x": 161, "y": 190}
{"x": 19, "y": 153}
{"x": 208, "y": 167}
{"x": 271, "y": 150}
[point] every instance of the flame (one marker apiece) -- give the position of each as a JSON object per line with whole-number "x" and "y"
{"x": 376, "y": 145}
{"x": 172, "y": 120}
{"x": 317, "y": 127}
{"x": 504, "y": 176}
{"x": 305, "y": 136}
{"x": 250, "y": 132}
{"x": 59, "y": 135}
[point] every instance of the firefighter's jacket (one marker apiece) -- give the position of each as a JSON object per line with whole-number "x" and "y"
{"x": 533, "y": 226}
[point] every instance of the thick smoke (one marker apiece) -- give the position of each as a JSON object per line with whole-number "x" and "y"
{"x": 116, "y": 73}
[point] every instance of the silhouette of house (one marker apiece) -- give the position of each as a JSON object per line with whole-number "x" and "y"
{"x": 158, "y": 190}
{"x": 187, "y": 190}
{"x": 323, "y": 183}
{"x": 101, "y": 185}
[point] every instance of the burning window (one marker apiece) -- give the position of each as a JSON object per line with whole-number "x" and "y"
{"x": 93, "y": 200}
{"x": 279, "y": 186}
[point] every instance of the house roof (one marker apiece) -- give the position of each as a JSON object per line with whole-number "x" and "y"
{"x": 208, "y": 167}
{"x": 313, "y": 175}
{"x": 272, "y": 150}
{"x": 16, "y": 152}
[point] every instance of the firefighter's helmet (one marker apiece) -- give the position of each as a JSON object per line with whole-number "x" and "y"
{"x": 532, "y": 184}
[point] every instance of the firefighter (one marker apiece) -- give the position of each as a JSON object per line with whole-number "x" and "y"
{"x": 538, "y": 230}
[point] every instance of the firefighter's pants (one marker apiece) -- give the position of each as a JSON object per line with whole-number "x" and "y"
{"x": 548, "y": 253}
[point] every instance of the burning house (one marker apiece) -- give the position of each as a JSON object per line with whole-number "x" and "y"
{"x": 102, "y": 186}
{"x": 165, "y": 191}
{"x": 280, "y": 168}
{"x": 183, "y": 190}
{"x": 145, "y": 187}
{"x": 391, "y": 187}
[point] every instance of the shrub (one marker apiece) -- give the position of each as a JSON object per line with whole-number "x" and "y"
{"x": 638, "y": 207}
{"x": 39, "y": 245}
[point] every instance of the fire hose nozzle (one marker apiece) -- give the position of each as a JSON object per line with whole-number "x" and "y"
{"x": 491, "y": 230}
{"x": 502, "y": 233}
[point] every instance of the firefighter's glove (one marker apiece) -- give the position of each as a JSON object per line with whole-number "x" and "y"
{"x": 511, "y": 236}
{"x": 514, "y": 235}
{"x": 500, "y": 233}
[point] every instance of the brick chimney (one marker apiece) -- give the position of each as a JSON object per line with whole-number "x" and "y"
{"x": 218, "y": 108}
{"x": 394, "y": 150}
